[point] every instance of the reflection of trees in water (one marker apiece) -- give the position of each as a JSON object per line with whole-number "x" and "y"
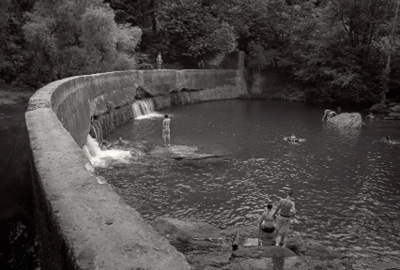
{"x": 349, "y": 135}
{"x": 278, "y": 263}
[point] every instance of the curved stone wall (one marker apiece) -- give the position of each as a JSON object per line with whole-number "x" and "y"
{"x": 80, "y": 223}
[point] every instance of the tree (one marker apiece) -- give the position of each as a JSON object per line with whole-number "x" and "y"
{"x": 388, "y": 44}
{"x": 191, "y": 32}
{"x": 344, "y": 58}
{"x": 74, "y": 37}
{"x": 14, "y": 62}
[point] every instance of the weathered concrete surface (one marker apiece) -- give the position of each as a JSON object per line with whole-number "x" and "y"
{"x": 88, "y": 226}
{"x": 81, "y": 222}
{"x": 347, "y": 120}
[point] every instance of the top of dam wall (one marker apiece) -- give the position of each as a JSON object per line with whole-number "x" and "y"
{"x": 71, "y": 98}
{"x": 82, "y": 224}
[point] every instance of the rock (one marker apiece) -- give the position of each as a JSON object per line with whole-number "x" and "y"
{"x": 391, "y": 118}
{"x": 206, "y": 247}
{"x": 263, "y": 252}
{"x": 395, "y": 108}
{"x": 312, "y": 249}
{"x": 174, "y": 227}
{"x": 378, "y": 107}
{"x": 347, "y": 120}
{"x": 394, "y": 114}
{"x": 207, "y": 252}
{"x": 202, "y": 243}
{"x": 179, "y": 152}
{"x": 291, "y": 263}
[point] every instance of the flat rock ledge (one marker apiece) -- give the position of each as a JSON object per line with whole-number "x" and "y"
{"x": 182, "y": 152}
{"x": 207, "y": 247}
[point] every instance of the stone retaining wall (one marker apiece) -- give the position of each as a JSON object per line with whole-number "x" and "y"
{"x": 84, "y": 225}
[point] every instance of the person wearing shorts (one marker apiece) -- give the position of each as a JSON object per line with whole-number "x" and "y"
{"x": 286, "y": 209}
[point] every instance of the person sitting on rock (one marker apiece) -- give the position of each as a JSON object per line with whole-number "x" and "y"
{"x": 267, "y": 221}
{"x": 328, "y": 114}
{"x": 370, "y": 116}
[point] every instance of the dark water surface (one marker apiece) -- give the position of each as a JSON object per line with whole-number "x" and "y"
{"x": 17, "y": 234}
{"x": 346, "y": 182}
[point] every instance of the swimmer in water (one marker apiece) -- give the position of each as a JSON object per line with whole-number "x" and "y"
{"x": 292, "y": 139}
{"x": 166, "y": 133}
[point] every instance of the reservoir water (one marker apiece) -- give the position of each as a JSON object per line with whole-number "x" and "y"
{"x": 346, "y": 183}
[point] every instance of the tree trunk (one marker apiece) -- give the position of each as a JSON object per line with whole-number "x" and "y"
{"x": 386, "y": 71}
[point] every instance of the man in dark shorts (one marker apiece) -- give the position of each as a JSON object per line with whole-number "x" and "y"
{"x": 286, "y": 209}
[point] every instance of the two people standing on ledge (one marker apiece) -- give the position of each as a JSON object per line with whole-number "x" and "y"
{"x": 286, "y": 209}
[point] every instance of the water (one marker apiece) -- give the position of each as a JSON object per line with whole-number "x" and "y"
{"x": 346, "y": 182}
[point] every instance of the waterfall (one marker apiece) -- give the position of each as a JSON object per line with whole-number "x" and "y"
{"x": 92, "y": 147}
{"x": 144, "y": 109}
{"x": 101, "y": 158}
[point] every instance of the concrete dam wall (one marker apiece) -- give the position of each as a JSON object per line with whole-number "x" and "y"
{"x": 80, "y": 223}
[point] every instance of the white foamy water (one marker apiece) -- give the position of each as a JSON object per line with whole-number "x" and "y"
{"x": 150, "y": 116}
{"x": 144, "y": 109}
{"x": 100, "y": 158}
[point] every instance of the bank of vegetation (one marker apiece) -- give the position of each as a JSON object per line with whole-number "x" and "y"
{"x": 333, "y": 50}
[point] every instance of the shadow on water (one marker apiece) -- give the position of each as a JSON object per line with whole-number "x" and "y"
{"x": 17, "y": 244}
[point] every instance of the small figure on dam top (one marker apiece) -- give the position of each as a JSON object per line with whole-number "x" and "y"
{"x": 201, "y": 64}
{"x": 166, "y": 132}
{"x": 267, "y": 221}
{"x": 159, "y": 61}
{"x": 286, "y": 209}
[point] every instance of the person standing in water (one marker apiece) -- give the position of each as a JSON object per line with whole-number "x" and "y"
{"x": 286, "y": 209}
{"x": 166, "y": 133}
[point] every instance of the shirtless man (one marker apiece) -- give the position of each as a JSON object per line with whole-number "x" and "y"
{"x": 166, "y": 133}
{"x": 286, "y": 207}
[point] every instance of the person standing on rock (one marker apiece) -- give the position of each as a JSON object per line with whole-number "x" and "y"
{"x": 267, "y": 220}
{"x": 286, "y": 209}
{"x": 166, "y": 133}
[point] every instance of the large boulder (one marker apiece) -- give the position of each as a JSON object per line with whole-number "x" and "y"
{"x": 395, "y": 108}
{"x": 347, "y": 120}
{"x": 378, "y": 107}
{"x": 312, "y": 248}
{"x": 202, "y": 244}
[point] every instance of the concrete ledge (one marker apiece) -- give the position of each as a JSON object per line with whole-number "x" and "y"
{"x": 80, "y": 223}
{"x": 91, "y": 227}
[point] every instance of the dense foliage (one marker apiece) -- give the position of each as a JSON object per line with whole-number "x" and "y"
{"x": 342, "y": 50}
